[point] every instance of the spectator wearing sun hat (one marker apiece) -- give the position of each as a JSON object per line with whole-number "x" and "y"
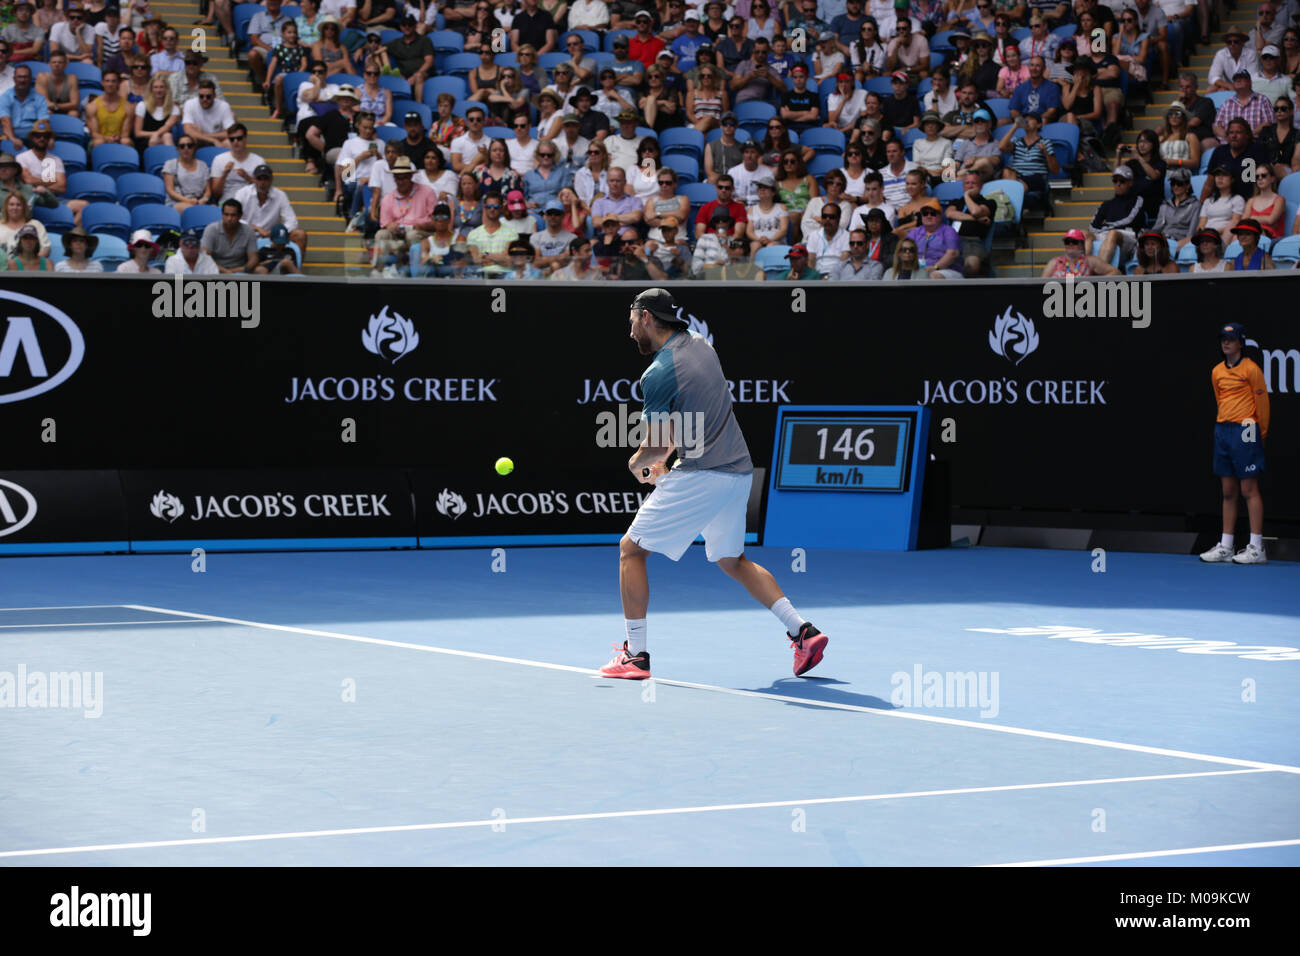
{"x": 933, "y": 152}
{"x": 1252, "y": 258}
{"x": 78, "y": 247}
{"x": 142, "y": 249}
{"x": 1076, "y": 261}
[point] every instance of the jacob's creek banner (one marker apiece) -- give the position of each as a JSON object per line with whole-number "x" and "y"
{"x": 1092, "y": 397}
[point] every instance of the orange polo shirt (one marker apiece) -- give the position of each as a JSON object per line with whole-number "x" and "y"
{"x": 1241, "y": 393}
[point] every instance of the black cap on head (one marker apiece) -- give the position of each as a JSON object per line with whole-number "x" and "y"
{"x": 1233, "y": 330}
{"x": 661, "y": 304}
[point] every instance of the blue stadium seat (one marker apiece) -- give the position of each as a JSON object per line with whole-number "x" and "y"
{"x": 823, "y": 140}
{"x": 208, "y": 153}
{"x": 879, "y": 84}
{"x": 509, "y": 59}
{"x": 106, "y": 217}
{"x": 57, "y": 219}
{"x": 1065, "y": 142}
{"x": 135, "y": 189}
{"x": 1285, "y": 252}
{"x": 197, "y": 217}
{"x": 1187, "y": 256}
{"x": 114, "y": 159}
{"x": 549, "y": 61}
{"x": 1065, "y": 32}
{"x": 454, "y": 85}
{"x": 910, "y": 136}
{"x": 88, "y": 76}
{"x": 499, "y": 132}
{"x": 460, "y": 64}
{"x": 155, "y": 157}
{"x": 754, "y": 114}
{"x": 948, "y": 192}
{"x": 699, "y": 194}
{"x": 95, "y": 187}
{"x": 155, "y": 217}
{"x": 742, "y": 135}
{"x": 772, "y": 259}
{"x": 684, "y": 140}
{"x": 388, "y": 36}
{"x": 111, "y": 251}
{"x": 446, "y": 41}
{"x": 400, "y": 88}
{"x": 1000, "y": 108}
{"x": 70, "y": 129}
{"x": 56, "y": 247}
{"x": 687, "y": 168}
{"x": 942, "y": 41}
{"x": 351, "y": 79}
{"x": 822, "y": 164}
{"x": 1015, "y": 191}
{"x": 386, "y": 133}
{"x": 291, "y": 83}
{"x": 1289, "y": 188}
{"x": 1219, "y": 97}
{"x": 240, "y": 15}
{"x": 73, "y": 156}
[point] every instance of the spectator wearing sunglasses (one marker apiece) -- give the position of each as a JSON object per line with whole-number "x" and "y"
{"x": 77, "y": 38}
{"x": 184, "y": 83}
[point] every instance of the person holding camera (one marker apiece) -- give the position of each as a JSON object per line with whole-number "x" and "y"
{"x": 1031, "y": 156}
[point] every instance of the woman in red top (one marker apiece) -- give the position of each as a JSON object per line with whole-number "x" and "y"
{"x": 1076, "y": 261}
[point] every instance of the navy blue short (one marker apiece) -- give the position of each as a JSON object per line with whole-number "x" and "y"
{"x": 1233, "y": 457}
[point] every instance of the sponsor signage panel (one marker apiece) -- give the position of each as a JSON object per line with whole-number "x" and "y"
{"x": 1045, "y": 400}
{"x": 357, "y": 508}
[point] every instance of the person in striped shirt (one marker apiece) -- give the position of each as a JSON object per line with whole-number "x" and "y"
{"x": 1032, "y": 156}
{"x": 1239, "y": 432}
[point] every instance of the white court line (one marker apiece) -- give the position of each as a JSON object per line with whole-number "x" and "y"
{"x": 63, "y": 607}
{"x": 899, "y": 714}
{"x": 1151, "y": 853}
{"x": 24, "y": 627}
{"x": 611, "y": 815}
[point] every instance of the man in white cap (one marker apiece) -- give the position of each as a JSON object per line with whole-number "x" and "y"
{"x": 1269, "y": 82}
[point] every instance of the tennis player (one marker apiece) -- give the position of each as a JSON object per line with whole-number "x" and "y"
{"x": 1239, "y": 449}
{"x": 707, "y": 490}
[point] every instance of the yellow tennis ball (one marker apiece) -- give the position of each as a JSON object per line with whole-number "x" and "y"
{"x": 504, "y": 466}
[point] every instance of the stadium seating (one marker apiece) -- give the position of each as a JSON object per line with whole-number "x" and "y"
{"x": 830, "y": 142}
{"x": 111, "y": 251}
{"x": 73, "y": 156}
{"x": 114, "y": 159}
{"x": 687, "y": 169}
{"x": 55, "y": 219}
{"x": 70, "y": 129}
{"x": 88, "y": 76}
{"x": 454, "y": 85}
{"x": 198, "y": 217}
{"x": 683, "y": 140}
{"x": 772, "y": 259}
{"x": 399, "y": 87}
{"x": 155, "y": 217}
{"x": 1285, "y": 252}
{"x": 402, "y": 107}
{"x": 108, "y": 218}
{"x": 94, "y": 187}
{"x": 155, "y": 157}
{"x": 136, "y": 189}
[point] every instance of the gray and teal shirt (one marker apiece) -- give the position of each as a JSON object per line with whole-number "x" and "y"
{"x": 684, "y": 384}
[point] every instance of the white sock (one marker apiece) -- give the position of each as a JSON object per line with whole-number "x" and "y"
{"x": 1257, "y": 541}
{"x": 635, "y": 635}
{"x": 788, "y": 616}
{"x": 1226, "y": 541}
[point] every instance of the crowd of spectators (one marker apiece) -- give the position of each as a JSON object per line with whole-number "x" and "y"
{"x": 865, "y": 138}
{"x": 94, "y": 86}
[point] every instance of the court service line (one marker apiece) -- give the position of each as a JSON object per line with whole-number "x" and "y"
{"x": 610, "y": 815}
{"x": 1151, "y": 853}
{"x": 900, "y": 714}
{"x": 23, "y": 627}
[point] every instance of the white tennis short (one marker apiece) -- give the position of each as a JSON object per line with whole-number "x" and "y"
{"x": 688, "y": 503}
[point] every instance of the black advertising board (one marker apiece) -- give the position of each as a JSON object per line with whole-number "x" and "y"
{"x": 48, "y": 512}
{"x": 1034, "y": 406}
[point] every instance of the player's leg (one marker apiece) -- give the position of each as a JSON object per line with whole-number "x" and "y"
{"x": 632, "y": 660}
{"x": 724, "y": 543}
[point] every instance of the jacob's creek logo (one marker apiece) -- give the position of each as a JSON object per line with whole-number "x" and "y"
{"x": 17, "y": 507}
{"x": 167, "y": 507}
{"x": 744, "y": 391}
{"x": 1014, "y": 337}
{"x": 451, "y": 505}
{"x": 390, "y": 336}
{"x": 40, "y": 347}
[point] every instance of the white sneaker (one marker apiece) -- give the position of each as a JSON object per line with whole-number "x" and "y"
{"x": 1220, "y": 552}
{"x": 1250, "y": 555}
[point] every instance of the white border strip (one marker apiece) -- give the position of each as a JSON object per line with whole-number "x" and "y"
{"x": 609, "y": 815}
{"x": 900, "y": 714}
{"x": 1151, "y": 853}
{"x": 24, "y": 627}
{"x": 63, "y": 607}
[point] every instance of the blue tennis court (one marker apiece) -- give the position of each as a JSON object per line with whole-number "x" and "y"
{"x": 976, "y": 706}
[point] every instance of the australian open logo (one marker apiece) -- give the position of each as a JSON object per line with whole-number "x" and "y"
{"x": 166, "y": 506}
{"x": 1013, "y": 336}
{"x": 450, "y": 504}
{"x": 390, "y": 336}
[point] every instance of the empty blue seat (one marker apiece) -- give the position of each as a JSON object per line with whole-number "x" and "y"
{"x": 198, "y": 217}
{"x": 108, "y": 218}
{"x": 402, "y": 107}
{"x": 56, "y": 219}
{"x": 454, "y": 85}
{"x": 397, "y": 86}
{"x": 209, "y": 153}
{"x": 114, "y": 159}
{"x": 823, "y": 164}
{"x": 70, "y": 129}
{"x": 135, "y": 189}
{"x": 446, "y": 41}
{"x": 823, "y": 140}
{"x": 155, "y": 217}
{"x": 686, "y": 167}
{"x": 95, "y": 187}
{"x": 111, "y": 251}
{"x": 460, "y": 64}
{"x": 684, "y": 140}
{"x": 772, "y": 259}
{"x": 88, "y": 76}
